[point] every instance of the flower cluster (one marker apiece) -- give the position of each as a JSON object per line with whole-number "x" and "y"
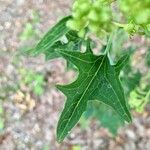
{"x": 95, "y": 15}
{"x": 137, "y": 13}
{"x": 136, "y": 10}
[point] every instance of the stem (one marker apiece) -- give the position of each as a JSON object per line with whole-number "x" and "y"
{"x": 108, "y": 48}
{"x": 121, "y": 25}
{"x": 109, "y": 43}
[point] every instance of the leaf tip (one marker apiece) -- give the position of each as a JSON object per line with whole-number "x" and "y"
{"x": 59, "y": 87}
{"x": 128, "y": 118}
{"x": 59, "y": 140}
{"x": 59, "y": 136}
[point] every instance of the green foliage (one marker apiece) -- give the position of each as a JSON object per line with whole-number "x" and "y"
{"x": 46, "y": 147}
{"x": 33, "y": 80}
{"x": 140, "y": 96}
{"x": 29, "y": 30}
{"x": 98, "y": 76}
{"x": 2, "y": 121}
{"x": 120, "y": 37}
{"x": 53, "y": 35}
{"x": 136, "y": 11}
{"x": 97, "y": 16}
{"x": 35, "y": 17}
{"x": 106, "y": 115}
{"x": 76, "y": 147}
{"x": 130, "y": 78}
{"x": 147, "y": 60}
{"x": 84, "y": 121}
{"x": 97, "y": 80}
{"x": 73, "y": 42}
{"x": 94, "y": 15}
{"x": 137, "y": 14}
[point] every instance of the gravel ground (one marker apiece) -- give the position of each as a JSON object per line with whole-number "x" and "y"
{"x": 32, "y": 127}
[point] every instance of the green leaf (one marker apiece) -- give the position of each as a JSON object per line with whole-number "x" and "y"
{"x": 53, "y": 35}
{"x": 147, "y": 57}
{"x": 97, "y": 80}
{"x": 130, "y": 78}
{"x": 121, "y": 63}
{"x": 73, "y": 43}
{"x": 108, "y": 117}
{"x": 140, "y": 96}
{"x": 50, "y": 53}
{"x": 120, "y": 37}
{"x": 72, "y": 36}
{"x": 28, "y": 32}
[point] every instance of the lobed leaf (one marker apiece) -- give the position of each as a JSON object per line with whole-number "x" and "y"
{"x": 97, "y": 80}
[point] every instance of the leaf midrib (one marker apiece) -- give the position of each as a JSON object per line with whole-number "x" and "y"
{"x": 83, "y": 93}
{"x": 61, "y": 51}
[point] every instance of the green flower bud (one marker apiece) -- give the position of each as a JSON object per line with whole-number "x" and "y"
{"x": 96, "y": 15}
{"x": 93, "y": 15}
